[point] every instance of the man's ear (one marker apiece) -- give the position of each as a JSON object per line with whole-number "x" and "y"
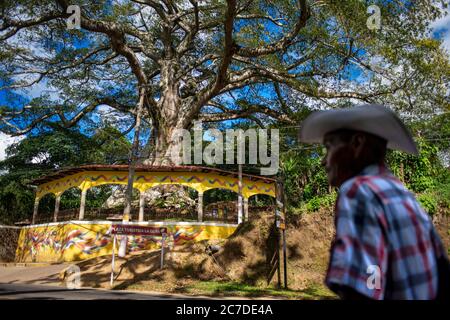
{"x": 358, "y": 141}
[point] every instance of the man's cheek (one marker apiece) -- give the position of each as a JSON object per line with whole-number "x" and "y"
{"x": 342, "y": 156}
{"x": 342, "y": 164}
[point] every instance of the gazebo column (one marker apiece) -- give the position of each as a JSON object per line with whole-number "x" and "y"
{"x": 200, "y": 206}
{"x": 82, "y": 204}
{"x": 141, "y": 206}
{"x": 240, "y": 204}
{"x": 240, "y": 211}
{"x": 35, "y": 210}
{"x": 57, "y": 202}
{"x": 245, "y": 209}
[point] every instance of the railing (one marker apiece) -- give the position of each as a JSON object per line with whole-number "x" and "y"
{"x": 73, "y": 214}
{"x": 44, "y": 217}
{"x": 115, "y": 214}
{"x": 220, "y": 216}
{"x": 150, "y": 214}
{"x": 161, "y": 214}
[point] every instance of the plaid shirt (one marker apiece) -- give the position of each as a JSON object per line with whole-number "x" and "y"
{"x": 385, "y": 245}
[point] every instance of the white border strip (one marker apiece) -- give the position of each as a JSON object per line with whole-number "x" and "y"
{"x": 9, "y": 227}
{"x": 142, "y": 223}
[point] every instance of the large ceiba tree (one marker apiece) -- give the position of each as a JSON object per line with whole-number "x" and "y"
{"x": 183, "y": 60}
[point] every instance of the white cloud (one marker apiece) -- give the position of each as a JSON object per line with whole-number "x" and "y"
{"x": 38, "y": 89}
{"x": 41, "y": 157}
{"x": 105, "y": 112}
{"x": 443, "y": 22}
{"x": 446, "y": 41}
{"x": 442, "y": 26}
{"x": 5, "y": 141}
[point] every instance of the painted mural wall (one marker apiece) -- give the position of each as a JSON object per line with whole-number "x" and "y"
{"x": 81, "y": 240}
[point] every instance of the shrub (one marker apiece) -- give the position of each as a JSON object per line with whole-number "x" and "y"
{"x": 325, "y": 201}
{"x": 428, "y": 202}
{"x": 313, "y": 204}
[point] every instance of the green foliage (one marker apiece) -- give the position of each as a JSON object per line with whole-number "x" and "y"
{"x": 428, "y": 202}
{"x": 216, "y": 195}
{"x": 71, "y": 199}
{"x": 316, "y": 203}
{"x": 16, "y": 202}
{"x": 306, "y": 183}
{"x": 437, "y": 197}
{"x": 442, "y": 192}
{"x": 38, "y": 155}
{"x": 261, "y": 200}
{"x": 305, "y": 178}
{"x": 96, "y": 196}
{"x": 417, "y": 172}
{"x": 424, "y": 174}
{"x": 304, "y": 175}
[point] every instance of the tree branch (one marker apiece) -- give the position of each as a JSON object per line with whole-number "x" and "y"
{"x": 66, "y": 123}
{"x": 18, "y": 25}
{"x": 248, "y": 111}
{"x": 191, "y": 32}
{"x": 285, "y": 41}
{"x": 228, "y": 50}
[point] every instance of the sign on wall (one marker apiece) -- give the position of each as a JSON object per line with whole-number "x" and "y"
{"x": 123, "y": 229}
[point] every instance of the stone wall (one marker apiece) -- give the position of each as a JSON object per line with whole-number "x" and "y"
{"x": 9, "y": 237}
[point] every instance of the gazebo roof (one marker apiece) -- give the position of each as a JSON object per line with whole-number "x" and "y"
{"x": 61, "y": 173}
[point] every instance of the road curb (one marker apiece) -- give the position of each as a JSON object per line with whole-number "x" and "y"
{"x": 24, "y": 264}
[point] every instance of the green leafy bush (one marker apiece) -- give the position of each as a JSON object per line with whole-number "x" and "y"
{"x": 429, "y": 202}
{"x": 325, "y": 201}
{"x": 313, "y": 204}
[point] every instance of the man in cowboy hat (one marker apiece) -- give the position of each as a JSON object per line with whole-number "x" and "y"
{"x": 385, "y": 245}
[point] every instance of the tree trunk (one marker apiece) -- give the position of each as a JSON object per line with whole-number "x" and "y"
{"x": 170, "y": 115}
{"x": 163, "y": 146}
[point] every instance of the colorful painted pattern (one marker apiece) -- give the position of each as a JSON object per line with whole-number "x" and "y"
{"x": 85, "y": 242}
{"x": 69, "y": 242}
{"x": 199, "y": 181}
{"x": 138, "y": 243}
{"x": 186, "y": 234}
{"x": 60, "y": 243}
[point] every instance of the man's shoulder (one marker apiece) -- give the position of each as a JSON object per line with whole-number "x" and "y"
{"x": 370, "y": 185}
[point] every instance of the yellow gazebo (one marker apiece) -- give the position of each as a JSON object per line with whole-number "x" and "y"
{"x": 199, "y": 178}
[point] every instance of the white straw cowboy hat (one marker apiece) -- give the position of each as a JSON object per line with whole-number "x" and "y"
{"x": 371, "y": 118}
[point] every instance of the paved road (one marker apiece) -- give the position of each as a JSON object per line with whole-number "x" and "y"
{"x": 32, "y": 291}
{"x": 42, "y": 282}
{"x": 41, "y": 274}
